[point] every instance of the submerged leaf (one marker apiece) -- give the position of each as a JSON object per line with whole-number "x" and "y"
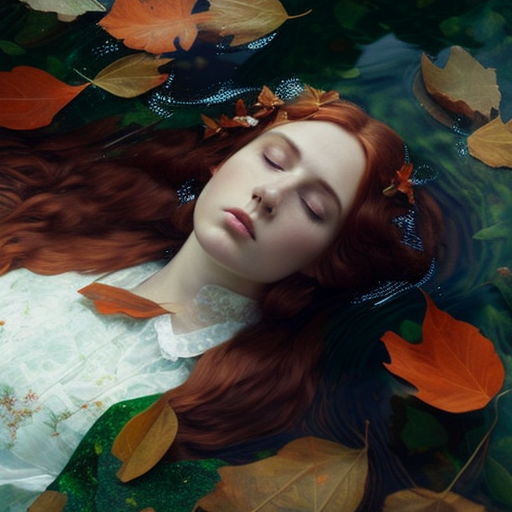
{"x": 30, "y": 97}
{"x": 154, "y": 25}
{"x": 307, "y": 474}
{"x": 73, "y": 8}
{"x": 492, "y": 143}
{"x": 247, "y": 21}
{"x": 423, "y": 500}
{"x": 454, "y": 368}
{"x": 145, "y": 439}
{"x": 463, "y": 86}
{"x": 132, "y": 75}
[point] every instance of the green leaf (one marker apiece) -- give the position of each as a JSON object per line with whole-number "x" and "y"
{"x": 422, "y": 431}
{"x": 11, "y": 48}
{"x": 499, "y": 481}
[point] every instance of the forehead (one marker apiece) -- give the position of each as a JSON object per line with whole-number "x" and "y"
{"x": 326, "y": 152}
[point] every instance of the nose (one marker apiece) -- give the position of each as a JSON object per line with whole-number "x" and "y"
{"x": 267, "y": 198}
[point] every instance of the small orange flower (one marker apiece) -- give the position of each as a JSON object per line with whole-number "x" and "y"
{"x": 268, "y": 102}
{"x": 402, "y": 183}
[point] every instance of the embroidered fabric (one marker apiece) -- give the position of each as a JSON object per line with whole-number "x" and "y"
{"x": 63, "y": 364}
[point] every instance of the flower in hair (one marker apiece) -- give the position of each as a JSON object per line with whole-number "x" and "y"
{"x": 402, "y": 183}
{"x": 268, "y": 102}
{"x": 241, "y": 120}
{"x": 309, "y": 102}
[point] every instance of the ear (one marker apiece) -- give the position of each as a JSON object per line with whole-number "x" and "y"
{"x": 213, "y": 169}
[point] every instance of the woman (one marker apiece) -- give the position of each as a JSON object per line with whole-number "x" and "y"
{"x": 294, "y": 210}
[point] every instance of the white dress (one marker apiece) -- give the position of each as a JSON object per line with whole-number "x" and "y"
{"x": 62, "y": 364}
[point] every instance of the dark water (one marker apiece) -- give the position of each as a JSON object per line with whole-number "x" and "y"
{"x": 370, "y": 53}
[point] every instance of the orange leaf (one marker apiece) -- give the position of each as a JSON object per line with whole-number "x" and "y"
{"x": 307, "y": 474}
{"x": 463, "y": 86}
{"x": 423, "y": 500}
{"x": 454, "y": 368}
{"x": 110, "y": 300}
{"x": 154, "y": 25}
{"x": 492, "y": 143}
{"x": 145, "y": 439}
{"x": 49, "y": 501}
{"x": 30, "y": 97}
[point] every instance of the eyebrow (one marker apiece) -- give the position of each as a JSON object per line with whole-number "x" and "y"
{"x": 323, "y": 184}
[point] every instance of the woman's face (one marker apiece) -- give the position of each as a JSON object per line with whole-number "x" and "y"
{"x": 274, "y": 206}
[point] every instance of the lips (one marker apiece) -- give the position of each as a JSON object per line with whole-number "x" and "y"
{"x": 243, "y": 220}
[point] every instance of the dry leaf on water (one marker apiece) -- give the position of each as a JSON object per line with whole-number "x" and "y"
{"x": 492, "y": 143}
{"x": 154, "y": 25}
{"x": 49, "y": 501}
{"x": 454, "y": 368}
{"x": 30, "y": 97}
{"x": 247, "y": 21}
{"x": 66, "y": 7}
{"x": 145, "y": 439}
{"x": 132, "y": 75}
{"x": 423, "y": 500}
{"x": 308, "y": 474}
{"x": 463, "y": 86}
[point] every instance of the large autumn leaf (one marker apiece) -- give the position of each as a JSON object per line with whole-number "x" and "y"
{"x": 308, "y": 474}
{"x": 154, "y": 25}
{"x": 463, "y": 86}
{"x": 132, "y": 75}
{"x": 30, "y": 97}
{"x": 454, "y": 368}
{"x": 145, "y": 439}
{"x": 247, "y": 21}
{"x": 424, "y": 500}
{"x": 492, "y": 143}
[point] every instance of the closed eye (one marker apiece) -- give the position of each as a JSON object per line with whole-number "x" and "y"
{"x": 272, "y": 163}
{"x": 311, "y": 213}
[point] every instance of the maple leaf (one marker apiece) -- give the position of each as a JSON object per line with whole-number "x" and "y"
{"x": 463, "y": 86}
{"x": 145, "y": 439}
{"x": 492, "y": 143}
{"x": 424, "y": 500}
{"x": 30, "y": 97}
{"x": 307, "y": 474}
{"x": 454, "y": 368}
{"x": 154, "y": 25}
{"x": 132, "y": 75}
{"x": 246, "y": 21}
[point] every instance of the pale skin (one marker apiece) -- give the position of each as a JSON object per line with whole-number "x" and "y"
{"x": 268, "y": 211}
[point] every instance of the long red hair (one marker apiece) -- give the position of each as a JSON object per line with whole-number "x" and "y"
{"x": 80, "y": 203}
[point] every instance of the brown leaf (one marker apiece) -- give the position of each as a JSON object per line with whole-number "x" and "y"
{"x": 132, "y": 75}
{"x": 463, "y": 86}
{"x": 154, "y": 25}
{"x": 247, "y": 21}
{"x": 30, "y": 97}
{"x": 307, "y": 474}
{"x": 423, "y": 500}
{"x": 49, "y": 501}
{"x": 74, "y": 8}
{"x": 455, "y": 368}
{"x": 145, "y": 439}
{"x": 492, "y": 143}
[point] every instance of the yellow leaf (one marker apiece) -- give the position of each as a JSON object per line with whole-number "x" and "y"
{"x": 74, "y": 8}
{"x": 132, "y": 75}
{"x": 463, "y": 86}
{"x": 492, "y": 143}
{"x": 145, "y": 439}
{"x": 247, "y": 21}
{"x": 423, "y": 500}
{"x": 308, "y": 474}
{"x": 49, "y": 501}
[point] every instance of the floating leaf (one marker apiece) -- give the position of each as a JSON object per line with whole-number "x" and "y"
{"x": 307, "y": 474}
{"x": 492, "y": 143}
{"x": 500, "y": 230}
{"x": 503, "y": 281}
{"x": 145, "y": 439}
{"x": 247, "y": 21}
{"x": 423, "y": 500}
{"x": 110, "y": 300}
{"x": 30, "y": 97}
{"x": 74, "y": 8}
{"x": 132, "y": 75}
{"x": 154, "y": 25}
{"x": 10, "y": 48}
{"x": 454, "y": 368}
{"x": 49, "y": 501}
{"x": 463, "y": 86}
